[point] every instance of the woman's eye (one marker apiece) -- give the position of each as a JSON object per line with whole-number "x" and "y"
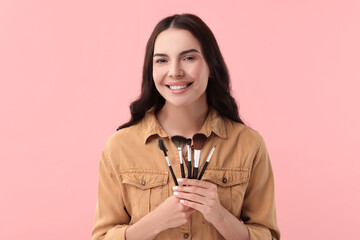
{"x": 160, "y": 61}
{"x": 188, "y": 58}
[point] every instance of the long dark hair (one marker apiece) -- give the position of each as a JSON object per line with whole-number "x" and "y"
{"x": 218, "y": 88}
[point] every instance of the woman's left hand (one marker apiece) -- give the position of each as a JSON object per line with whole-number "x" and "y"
{"x": 202, "y": 196}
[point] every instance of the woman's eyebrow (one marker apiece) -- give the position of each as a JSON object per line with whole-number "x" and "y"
{"x": 182, "y": 53}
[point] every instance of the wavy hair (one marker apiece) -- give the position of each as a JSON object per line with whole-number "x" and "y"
{"x": 218, "y": 88}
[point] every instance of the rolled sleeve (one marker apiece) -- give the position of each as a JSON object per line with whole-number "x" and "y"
{"x": 259, "y": 213}
{"x": 111, "y": 218}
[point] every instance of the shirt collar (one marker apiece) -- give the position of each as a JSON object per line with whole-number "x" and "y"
{"x": 214, "y": 122}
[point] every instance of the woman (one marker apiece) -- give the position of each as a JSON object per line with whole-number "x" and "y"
{"x": 185, "y": 90}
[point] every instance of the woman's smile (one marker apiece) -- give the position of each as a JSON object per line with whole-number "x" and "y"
{"x": 178, "y": 88}
{"x": 180, "y": 71}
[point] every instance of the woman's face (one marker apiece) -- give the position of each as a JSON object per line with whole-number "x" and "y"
{"x": 180, "y": 71}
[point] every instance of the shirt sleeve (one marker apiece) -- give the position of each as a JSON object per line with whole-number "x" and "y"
{"x": 111, "y": 218}
{"x": 258, "y": 212}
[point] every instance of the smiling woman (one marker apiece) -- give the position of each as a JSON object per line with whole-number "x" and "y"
{"x": 185, "y": 93}
{"x": 180, "y": 71}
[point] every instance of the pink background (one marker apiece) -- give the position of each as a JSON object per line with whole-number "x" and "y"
{"x": 69, "y": 70}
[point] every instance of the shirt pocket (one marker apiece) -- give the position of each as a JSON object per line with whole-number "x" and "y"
{"x": 231, "y": 184}
{"x": 144, "y": 190}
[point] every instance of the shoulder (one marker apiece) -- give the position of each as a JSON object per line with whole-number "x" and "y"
{"x": 247, "y": 143}
{"x": 124, "y": 137}
{"x": 243, "y": 134}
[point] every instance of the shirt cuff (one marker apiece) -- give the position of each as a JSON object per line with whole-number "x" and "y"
{"x": 116, "y": 233}
{"x": 257, "y": 232}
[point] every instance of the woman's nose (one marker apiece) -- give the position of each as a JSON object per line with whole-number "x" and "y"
{"x": 175, "y": 70}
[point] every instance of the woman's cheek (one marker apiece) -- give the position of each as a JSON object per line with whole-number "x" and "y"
{"x": 158, "y": 75}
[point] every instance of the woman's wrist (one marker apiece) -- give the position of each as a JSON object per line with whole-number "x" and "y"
{"x": 229, "y": 226}
{"x": 220, "y": 218}
{"x": 156, "y": 225}
{"x": 146, "y": 228}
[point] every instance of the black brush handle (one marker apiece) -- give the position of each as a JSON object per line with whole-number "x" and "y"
{"x": 203, "y": 170}
{"x": 195, "y": 173}
{"x": 189, "y": 169}
{"x": 182, "y": 170}
{"x": 173, "y": 176}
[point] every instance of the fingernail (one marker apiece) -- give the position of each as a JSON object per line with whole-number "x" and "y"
{"x": 175, "y": 187}
{"x": 180, "y": 179}
{"x": 176, "y": 193}
{"x": 182, "y": 201}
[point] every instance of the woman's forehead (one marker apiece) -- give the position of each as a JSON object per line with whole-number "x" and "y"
{"x": 175, "y": 41}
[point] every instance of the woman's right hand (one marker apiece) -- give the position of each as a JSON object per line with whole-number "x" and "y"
{"x": 171, "y": 213}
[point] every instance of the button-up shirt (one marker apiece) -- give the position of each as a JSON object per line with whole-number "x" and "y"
{"x": 134, "y": 179}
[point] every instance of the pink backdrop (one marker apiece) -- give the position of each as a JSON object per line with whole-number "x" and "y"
{"x": 69, "y": 70}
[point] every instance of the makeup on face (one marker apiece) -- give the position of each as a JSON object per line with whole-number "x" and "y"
{"x": 180, "y": 71}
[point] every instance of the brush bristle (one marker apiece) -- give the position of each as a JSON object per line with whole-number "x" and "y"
{"x": 188, "y": 141}
{"x": 199, "y": 140}
{"x": 161, "y": 145}
{"x": 179, "y": 141}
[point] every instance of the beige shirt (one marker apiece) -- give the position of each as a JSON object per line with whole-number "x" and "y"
{"x": 134, "y": 179}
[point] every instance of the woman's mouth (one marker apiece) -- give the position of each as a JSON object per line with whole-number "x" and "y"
{"x": 178, "y": 87}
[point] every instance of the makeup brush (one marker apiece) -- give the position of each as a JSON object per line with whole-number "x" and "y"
{"x": 199, "y": 140}
{"x": 162, "y": 147}
{"x": 207, "y": 162}
{"x": 180, "y": 142}
{"x": 188, "y": 145}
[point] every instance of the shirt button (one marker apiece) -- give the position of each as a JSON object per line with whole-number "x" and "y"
{"x": 186, "y": 235}
{"x": 224, "y": 180}
{"x": 143, "y": 182}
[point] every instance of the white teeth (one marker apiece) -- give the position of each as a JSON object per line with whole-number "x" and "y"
{"x": 177, "y": 87}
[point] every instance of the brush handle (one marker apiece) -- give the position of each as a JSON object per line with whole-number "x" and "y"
{"x": 173, "y": 176}
{"x": 189, "y": 169}
{"x": 195, "y": 173}
{"x": 182, "y": 170}
{"x": 203, "y": 170}
{"x": 189, "y": 160}
{"x": 197, "y": 156}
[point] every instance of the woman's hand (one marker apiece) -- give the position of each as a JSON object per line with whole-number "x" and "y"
{"x": 171, "y": 213}
{"x": 202, "y": 196}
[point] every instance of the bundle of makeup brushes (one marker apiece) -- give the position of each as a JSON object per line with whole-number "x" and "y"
{"x": 180, "y": 142}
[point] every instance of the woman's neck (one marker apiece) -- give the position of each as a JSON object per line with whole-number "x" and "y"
{"x": 184, "y": 121}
